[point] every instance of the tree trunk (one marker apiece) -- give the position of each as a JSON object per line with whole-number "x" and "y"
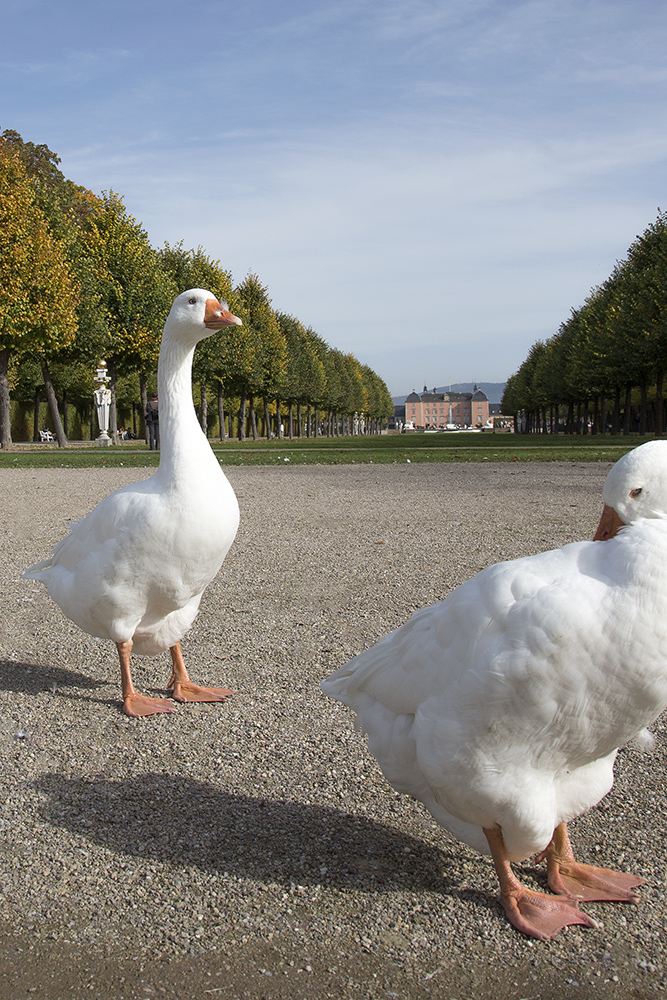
{"x": 596, "y": 414}
{"x": 143, "y": 392}
{"x": 659, "y": 415}
{"x": 290, "y": 421}
{"x": 627, "y": 416}
{"x": 61, "y": 437}
{"x": 221, "y": 412}
{"x": 642, "y": 407}
{"x": 242, "y": 410}
{"x": 280, "y": 430}
{"x": 616, "y": 418}
{"x": 253, "y": 418}
{"x": 308, "y": 427}
{"x": 5, "y": 416}
{"x": 113, "y": 415}
{"x": 267, "y": 419}
{"x": 203, "y": 408}
{"x": 35, "y": 419}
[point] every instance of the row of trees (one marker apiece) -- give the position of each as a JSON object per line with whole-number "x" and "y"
{"x": 604, "y": 368}
{"x": 80, "y": 281}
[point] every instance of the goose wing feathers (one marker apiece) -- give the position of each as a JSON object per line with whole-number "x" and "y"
{"x": 134, "y": 568}
{"x": 499, "y": 700}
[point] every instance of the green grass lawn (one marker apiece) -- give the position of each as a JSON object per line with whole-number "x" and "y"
{"x": 390, "y": 448}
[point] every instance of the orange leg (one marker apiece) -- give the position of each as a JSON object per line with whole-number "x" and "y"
{"x": 184, "y": 689}
{"x": 569, "y": 878}
{"x": 136, "y": 705}
{"x": 533, "y": 913}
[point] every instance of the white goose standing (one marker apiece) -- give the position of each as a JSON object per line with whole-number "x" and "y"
{"x": 135, "y": 568}
{"x": 502, "y": 707}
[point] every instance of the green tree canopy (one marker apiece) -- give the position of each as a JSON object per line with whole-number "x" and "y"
{"x": 270, "y": 349}
{"x": 81, "y": 281}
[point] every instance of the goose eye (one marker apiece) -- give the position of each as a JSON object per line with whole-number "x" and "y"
{"x": 635, "y": 493}
{"x": 192, "y": 302}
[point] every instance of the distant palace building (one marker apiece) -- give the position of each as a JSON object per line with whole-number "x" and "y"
{"x": 432, "y": 410}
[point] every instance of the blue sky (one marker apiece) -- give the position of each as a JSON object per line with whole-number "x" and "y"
{"x": 430, "y": 184}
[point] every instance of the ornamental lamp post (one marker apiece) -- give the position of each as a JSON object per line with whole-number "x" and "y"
{"x": 102, "y": 401}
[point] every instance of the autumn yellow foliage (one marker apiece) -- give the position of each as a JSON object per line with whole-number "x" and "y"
{"x": 38, "y": 293}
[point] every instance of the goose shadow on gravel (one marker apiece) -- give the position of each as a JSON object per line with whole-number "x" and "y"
{"x": 33, "y": 678}
{"x": 183, "y": 822}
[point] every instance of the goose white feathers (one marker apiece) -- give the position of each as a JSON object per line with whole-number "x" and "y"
{"x": 134, "y": 570}
{"x": 502, "y": 707}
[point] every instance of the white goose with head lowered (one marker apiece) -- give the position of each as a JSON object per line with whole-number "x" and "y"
{"x": 502, "y": 707}
{"x": 135, "y": 568}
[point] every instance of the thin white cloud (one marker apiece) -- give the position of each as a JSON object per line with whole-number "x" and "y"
{"x": 72, "y": 67}
{"x": 388, "y": 249}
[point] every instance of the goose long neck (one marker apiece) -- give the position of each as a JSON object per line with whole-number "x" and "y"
{"x": 182, "y": 442}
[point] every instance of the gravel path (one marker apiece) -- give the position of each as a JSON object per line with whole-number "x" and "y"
{"x": 254, "y": 849}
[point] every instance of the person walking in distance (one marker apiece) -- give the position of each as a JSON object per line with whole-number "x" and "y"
{"x": 153, "y": 423}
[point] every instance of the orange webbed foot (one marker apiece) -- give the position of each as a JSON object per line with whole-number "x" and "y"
{"x": 185, "y": 691}
{"x": 587, "y": 882}
{"x": 183, "y": 688}
{"x": 533, "y": 913}
{"x": 568, "y": 877}
{"x": 541, "y": 916}
{"x": 136, "y": 706}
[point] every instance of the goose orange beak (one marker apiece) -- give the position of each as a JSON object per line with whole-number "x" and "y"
{"x": 609, "y": 524}
{"x": 216, "y": 316}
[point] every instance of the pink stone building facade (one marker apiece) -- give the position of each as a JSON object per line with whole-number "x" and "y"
{"x": 439, "y": 410}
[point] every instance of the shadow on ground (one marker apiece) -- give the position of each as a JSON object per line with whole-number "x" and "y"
{"x": 33, "y": 678}
{"x": 182, "y": 821}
